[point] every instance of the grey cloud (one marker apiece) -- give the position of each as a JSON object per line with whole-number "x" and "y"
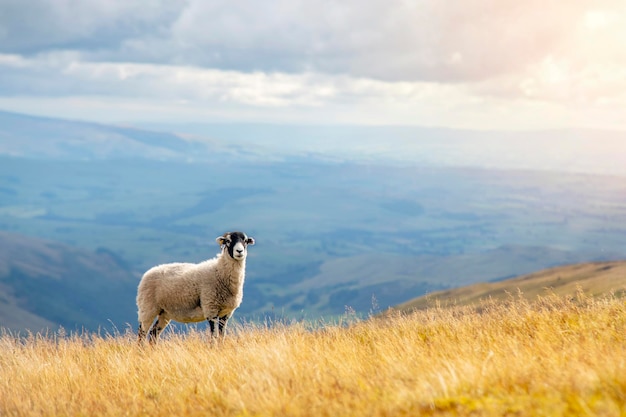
{"x": 428, "y": 40}
{"x": 391, "y": 40}
{"x": 35, "y": 26}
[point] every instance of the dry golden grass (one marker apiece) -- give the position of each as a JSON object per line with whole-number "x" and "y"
{"x": 553, "y": 357}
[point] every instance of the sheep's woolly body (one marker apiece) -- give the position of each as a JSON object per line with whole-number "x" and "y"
{"x": 189, "y": 292}
{"x": 186, "y": 292}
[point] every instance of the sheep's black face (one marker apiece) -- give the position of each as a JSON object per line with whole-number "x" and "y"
{"x": 236, "y": 243}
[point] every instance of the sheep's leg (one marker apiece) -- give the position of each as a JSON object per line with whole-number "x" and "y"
{"x": 145, "y": 322}
{"x": 221, "y": 324}
{"x": 223, "y": 321}
{"x": 141, "y": 334}
{"x": 211, "y": 315}
{"x": 158, "y": 328}
{"x": 212, "y": 325}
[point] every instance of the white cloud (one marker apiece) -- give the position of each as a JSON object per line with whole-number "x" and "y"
{"x": 476, "y": 63}
{"x": 384, "y": 39}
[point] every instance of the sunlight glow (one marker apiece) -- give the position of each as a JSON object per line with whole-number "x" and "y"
{"x": 596, "y": 19}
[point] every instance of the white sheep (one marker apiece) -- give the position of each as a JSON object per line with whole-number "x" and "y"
{"x": 190, "y": 293}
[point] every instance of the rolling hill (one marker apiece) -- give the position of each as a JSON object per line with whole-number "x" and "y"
{"x": 595, "y": 279}
{"x": 46, "y": 284}
{"x": 47, "y": 138}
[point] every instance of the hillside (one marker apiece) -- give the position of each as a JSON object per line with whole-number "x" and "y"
{"x": 596, "y": 278}
{"x": 554, "y": 357}
{"x": 45, "y": 284}
{"x": 47, "y": 138}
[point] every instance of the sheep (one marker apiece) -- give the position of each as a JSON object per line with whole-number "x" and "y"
{"x": 190, "y": 293}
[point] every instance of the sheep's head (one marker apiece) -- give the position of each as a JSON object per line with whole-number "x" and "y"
{"x": 236, "y": 243}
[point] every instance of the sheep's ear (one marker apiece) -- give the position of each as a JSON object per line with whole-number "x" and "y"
{"x": 221, "y": 240}
{"x": 250, "y": 241}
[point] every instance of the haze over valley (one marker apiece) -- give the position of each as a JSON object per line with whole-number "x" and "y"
{"x": 345, "y": 217}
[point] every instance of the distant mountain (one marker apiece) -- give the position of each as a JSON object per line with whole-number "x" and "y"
{"x": 566, "y": 150}
{"x": 45, "y": 284}
{"x": 47, "y": 138}
{"x": 591, "y": 151}
{"x": 595, "y": 279}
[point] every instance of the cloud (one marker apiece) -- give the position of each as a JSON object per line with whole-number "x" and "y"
{"x": 395, "y": 60}
{"x": 390, "y": 40}
{"x": 36, "y": 26}
{"x": 66, "y": 74}
{"x": 394, "y": 40}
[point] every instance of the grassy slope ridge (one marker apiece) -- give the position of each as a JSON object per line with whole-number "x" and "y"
{"x": 353, "y": 281}
{"x": 595, "y": 278}
{"x": 553, "y": 357}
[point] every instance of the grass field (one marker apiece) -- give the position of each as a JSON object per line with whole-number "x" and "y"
{"x": 554, "y": 356}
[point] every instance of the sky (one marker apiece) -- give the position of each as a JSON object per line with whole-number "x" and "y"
{"x": 472, "y": 64}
